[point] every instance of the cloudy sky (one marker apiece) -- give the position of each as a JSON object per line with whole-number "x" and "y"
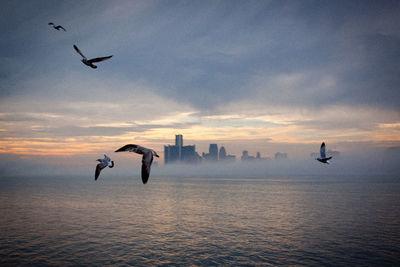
{"x": 264, "y": 76}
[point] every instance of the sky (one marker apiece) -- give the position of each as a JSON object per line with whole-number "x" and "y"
{"x": 263, "y": 76}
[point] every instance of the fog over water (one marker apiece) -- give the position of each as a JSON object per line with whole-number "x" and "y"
{"x": 376, "y": 162}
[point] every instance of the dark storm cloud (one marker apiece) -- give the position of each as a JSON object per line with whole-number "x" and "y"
{"x": 209, "y": 53}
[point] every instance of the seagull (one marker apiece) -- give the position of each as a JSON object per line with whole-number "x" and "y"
{"x": 89, "y": 62}
{"x": 147, "y": 158}
{"x": 57, "y": 27}
{"x": 103, "y": 163}
{"x": 323, "y": 157}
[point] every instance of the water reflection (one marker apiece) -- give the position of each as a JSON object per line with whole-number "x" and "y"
{"x": 197, "y": 221}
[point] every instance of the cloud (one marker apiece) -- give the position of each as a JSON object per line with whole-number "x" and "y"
{"x": 262, "y": 73}
{"x": 206, "y": 55}
{"x": 105, "y": 131}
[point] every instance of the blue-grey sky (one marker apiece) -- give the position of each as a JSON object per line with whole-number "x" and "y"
{"x": 261, "y": 74}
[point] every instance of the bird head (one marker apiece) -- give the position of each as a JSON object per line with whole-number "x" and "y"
{"x": 155, "y": 154}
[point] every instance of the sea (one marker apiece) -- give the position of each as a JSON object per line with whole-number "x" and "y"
{"x": 171, "y": 221}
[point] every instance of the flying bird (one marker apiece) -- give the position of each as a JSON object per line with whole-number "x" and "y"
{"x": 103, "y": 163}
{"x": 147, "y": 158}
{"x": 57, "y": 27}
{"x": 323, "y": 157}
{"x": 89, "y": 62}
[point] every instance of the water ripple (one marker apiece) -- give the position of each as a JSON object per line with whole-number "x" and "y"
{"x": 200, "y": 222}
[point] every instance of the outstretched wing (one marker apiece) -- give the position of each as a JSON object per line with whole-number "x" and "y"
{"x": 146, "y": 166}
{"x": 322, "y": 150}
{"x": 98, "y": 59}
{"x": 61, "y": 27}
{"x": 99, "y": 167}
{"x": 129, "y": 147}
{"x": 79, "y": 51}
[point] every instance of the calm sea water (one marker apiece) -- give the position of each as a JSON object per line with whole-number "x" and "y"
{"x": 344, "y": 221}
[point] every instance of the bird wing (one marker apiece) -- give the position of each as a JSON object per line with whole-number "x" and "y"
{"x": 322, "y": 150}
{"x": 129, "y": 147}
{"x": 79, "y": 51}
{"x": 98, "y": 59}
{"x": 99, "y": 167}
{"x": 146, "y": 166}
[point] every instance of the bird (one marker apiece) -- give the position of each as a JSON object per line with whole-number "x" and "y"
{"x": 89, "y": 62}
{"x": 57, "y": 27}
{"x": 103, "y": 163}
{"x": 323, "y": 157}
{"x": 147, "y": 159}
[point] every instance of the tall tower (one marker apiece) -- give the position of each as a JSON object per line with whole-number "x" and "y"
{"x": 213, "y": 152}
{"x": 245, "y": 155}
{"x": 179, "y": 144}
{"x": 222, "y": 153}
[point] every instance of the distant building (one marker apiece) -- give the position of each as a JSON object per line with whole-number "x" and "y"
{"x": 259, "y": 158}
{"x": 224, "y": 157}
{"x": 171, "y": 154}
{"x": 279, "y": 155}
{"x": 179, "y": 144}
{"x": 212, "y": 154}
{"x": 180, "y": 153}
{"x": 213, "y": 151}
{"x": 231, "y": 158}
{"x": 245, "y": 156}
{"x": 189, "y": 154}
{"x": 222, "y": 153}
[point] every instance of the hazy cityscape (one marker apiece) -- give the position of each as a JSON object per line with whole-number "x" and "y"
{"x": 187, "y": 154}
{"x": 179, "y": 153}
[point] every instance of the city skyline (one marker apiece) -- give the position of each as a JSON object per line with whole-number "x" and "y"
{"x": 179, "y": 153}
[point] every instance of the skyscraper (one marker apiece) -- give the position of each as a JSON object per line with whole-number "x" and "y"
{"x": 213, "y": 151}
{"x": 224, "y": 157}
{"x": 179, "y": 153}
{"x": 222, "y": 153}
{"x": 245, "y": 156}
{"x": 179, "y": 144}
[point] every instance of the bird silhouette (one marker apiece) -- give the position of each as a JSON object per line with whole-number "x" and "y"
{"x": 147, "y": 158}
{"x": 89, "y": 62}
{"x": 57, "y": 27}
{"x": 323, "y": 157}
